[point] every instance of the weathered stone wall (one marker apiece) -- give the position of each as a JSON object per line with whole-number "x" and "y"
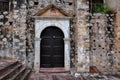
{"x": 33, "y": 7}
{"x": 5, "y": 42}
{"x": 13, "y": 32}
{"x": 6, "y": 30}
{"x": 19, "y": 31}
{"x": 117, "y": 41}
{"x": 82, "y": 36}
{"x": 102, "y": 41}
{"x": 94, "y": 38}
{"x": 114, "y": 5}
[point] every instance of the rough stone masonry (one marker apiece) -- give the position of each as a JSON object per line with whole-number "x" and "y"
{"x": 94, "y": 37}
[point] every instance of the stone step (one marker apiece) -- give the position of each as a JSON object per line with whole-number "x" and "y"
{"x": 13, "y": 70}
{"x": 53, "y": 70}
{"x": 113, "y": 78}
{"x": 9, "y": 71}
{"x": 5, "y": 65}
{"x": 17, "y": 73}
{"x": 81, "y": 78}
{"x": 25, "y": 75}
{"x": 90, "y": 78}
{"x": 51, "y": 76}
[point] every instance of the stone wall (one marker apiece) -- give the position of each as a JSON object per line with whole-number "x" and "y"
{"x": 21, "y": 43}
{"x": 114, "y": 5}
{"x": 33, "y": 7}
{"x": 94, "y": 37}
{"x": 117, "y": 41}
{"x": 13, "y": 32}
{"x": 6, "y": 30}
{"x": 82, "y": 36}
{"x": 102, "y": 41}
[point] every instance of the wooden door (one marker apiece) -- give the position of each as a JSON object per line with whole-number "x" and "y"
{"x": 52, "y": 48}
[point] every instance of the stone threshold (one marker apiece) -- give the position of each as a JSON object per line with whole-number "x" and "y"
{"x": 53, "y": 70}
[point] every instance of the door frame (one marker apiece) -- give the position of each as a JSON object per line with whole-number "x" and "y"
{"x": 64, "y": 25}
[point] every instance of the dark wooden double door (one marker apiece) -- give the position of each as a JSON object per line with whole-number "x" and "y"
{"x": 52, "y": 48}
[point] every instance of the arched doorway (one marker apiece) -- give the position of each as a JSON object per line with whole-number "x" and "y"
{"x": 52, "y": 48}
{"x": 62, "y": 24}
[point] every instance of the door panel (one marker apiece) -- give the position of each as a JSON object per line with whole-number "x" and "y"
{"x": 52, "y": 48}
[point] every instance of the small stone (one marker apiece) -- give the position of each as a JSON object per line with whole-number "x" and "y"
{"x": 1, "y": 23}
{"x": 5, "y": 13}
{"x": 15, "y": 16}
{"x": 4, "y": 39}
{"x": 31, "y": 3}
{"x": 14, "y": 2}
{"x": 1, "y": 16}
{"x": 77, "y": 74}
{"x": 23, "y": 6}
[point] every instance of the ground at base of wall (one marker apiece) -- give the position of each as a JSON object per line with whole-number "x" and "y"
{"x": 77, "y": 76}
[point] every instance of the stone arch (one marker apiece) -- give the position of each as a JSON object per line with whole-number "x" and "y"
{"x": 59, "y": 25}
